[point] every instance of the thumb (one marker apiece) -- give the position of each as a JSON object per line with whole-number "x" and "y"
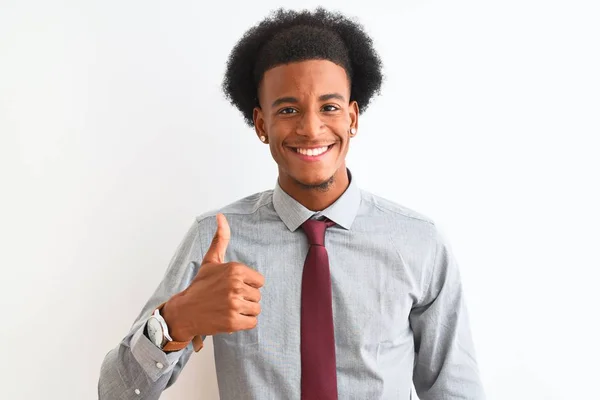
{"x": 218, "y": 246}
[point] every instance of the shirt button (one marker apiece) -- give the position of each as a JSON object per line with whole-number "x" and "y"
{"x": 137, "y": 391}
{"x": 159, "y": 365}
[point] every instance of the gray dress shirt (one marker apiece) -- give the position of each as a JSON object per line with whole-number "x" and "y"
{"x": 398, "y": 307}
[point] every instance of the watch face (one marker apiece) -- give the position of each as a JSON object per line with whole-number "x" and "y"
{"x": 155, "y": 332}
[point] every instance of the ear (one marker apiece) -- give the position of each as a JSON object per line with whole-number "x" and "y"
{"x": 259, "y": 123}
{"x": 354, "y": 112}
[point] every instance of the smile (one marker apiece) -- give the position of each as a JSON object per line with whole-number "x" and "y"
{"x": 313, "y": 153}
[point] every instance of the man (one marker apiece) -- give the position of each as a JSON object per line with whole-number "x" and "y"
{"x": 315, "y": 289}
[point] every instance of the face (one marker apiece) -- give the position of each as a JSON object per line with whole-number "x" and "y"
{"x": 306, "y": 114}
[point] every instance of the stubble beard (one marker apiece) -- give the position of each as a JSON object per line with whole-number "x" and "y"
{"x": 319, "y": 187}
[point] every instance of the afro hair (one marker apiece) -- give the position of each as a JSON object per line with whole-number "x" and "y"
{"x": 288, "y": 36}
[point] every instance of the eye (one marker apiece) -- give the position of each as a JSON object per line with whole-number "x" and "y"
{"x": 287, "y": 110}
{"x": 330, "y": 107}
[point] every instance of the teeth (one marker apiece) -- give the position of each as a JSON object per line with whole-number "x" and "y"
{"x": 312, "y": 152}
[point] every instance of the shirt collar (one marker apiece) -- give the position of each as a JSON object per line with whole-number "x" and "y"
{"x": 342, "y": 211}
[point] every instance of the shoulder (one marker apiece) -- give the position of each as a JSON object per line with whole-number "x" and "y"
{"x": 417, "y": 237}
{"x": 242, "y": 207}
{"x": 412, "y": 226}
{"x": 394, "y": 209}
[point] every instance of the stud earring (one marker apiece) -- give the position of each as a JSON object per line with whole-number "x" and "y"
{"x": 263, "y": 138}
{"x": 352, "y": 131}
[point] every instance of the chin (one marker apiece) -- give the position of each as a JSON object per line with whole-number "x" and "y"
{"x": 317, "y": 180}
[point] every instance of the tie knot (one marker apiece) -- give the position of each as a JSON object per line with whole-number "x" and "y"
{"x": 315, "y": 230}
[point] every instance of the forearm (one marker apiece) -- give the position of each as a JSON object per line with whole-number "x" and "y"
{"x": 136, "y": 369}
{"x": 137, "y": 364}
{"x": 446, "y": 366}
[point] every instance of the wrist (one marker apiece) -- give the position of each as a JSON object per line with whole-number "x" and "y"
{"x": 171, "y": 312}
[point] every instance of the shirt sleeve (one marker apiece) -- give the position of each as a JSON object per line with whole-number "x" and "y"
{"x": 445, "y": 363}
{"x": 136, "y": 368}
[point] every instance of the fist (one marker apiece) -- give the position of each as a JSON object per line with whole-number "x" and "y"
{"x": 223, "y": 297}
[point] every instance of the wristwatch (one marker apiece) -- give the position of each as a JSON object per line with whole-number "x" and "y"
{"x": 158, "y": 333}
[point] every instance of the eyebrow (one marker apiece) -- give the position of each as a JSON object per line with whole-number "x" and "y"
{"x": 294, "y": 100}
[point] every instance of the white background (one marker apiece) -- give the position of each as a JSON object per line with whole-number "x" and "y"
{"x": 114, "y": 135}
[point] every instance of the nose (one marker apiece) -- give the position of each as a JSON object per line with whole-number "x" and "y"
{"x": 310, "y": 124}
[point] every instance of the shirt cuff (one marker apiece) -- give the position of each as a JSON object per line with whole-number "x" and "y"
{"x": 153, "y": 360}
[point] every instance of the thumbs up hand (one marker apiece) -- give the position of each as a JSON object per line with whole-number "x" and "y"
{"x": 223, "y": 297}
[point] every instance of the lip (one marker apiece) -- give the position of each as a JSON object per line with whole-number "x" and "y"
{"x": 311, "y": 158}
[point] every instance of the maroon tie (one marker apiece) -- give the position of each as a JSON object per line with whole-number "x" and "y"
{"x": 317, "y": 342}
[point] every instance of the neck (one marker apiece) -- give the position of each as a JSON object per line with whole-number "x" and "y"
{"x": 316, "y": 198}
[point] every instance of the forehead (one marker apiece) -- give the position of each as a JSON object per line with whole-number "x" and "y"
{"x": 312, "y": 77}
